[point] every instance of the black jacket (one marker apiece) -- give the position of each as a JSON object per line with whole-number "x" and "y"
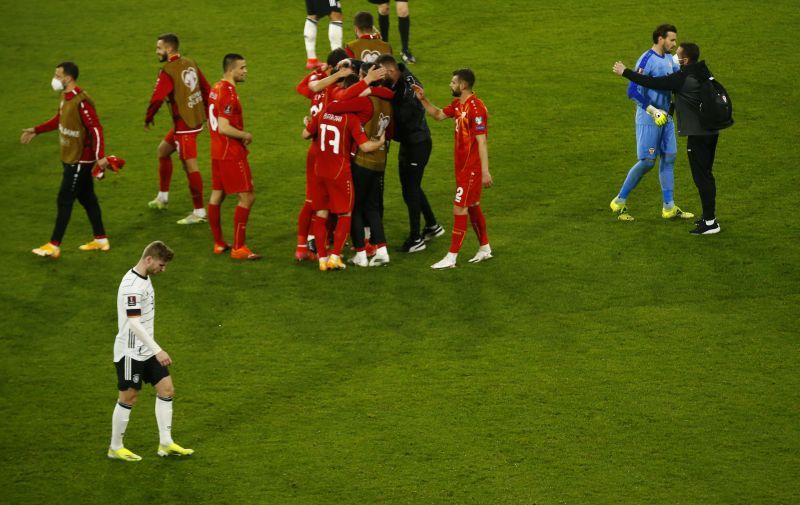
{"x": 410, "y": 126}
{"x": 686, "y": 86}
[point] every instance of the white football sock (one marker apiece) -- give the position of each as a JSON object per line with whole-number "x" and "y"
{"x": 200, "y": 212}
{"x": 164, "y": 419}
{"x": 335, "y": 34}
{"x": 310, "y": 35}
{"x": 163, "y": 196}
{"x": 119, "y": 422}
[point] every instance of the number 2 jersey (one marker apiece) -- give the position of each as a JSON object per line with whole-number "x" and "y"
{"x": 135, "y": 298}
{"x": 223, "y": 101}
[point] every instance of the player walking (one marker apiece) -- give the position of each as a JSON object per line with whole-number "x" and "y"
{"x": 180, "y": 82}
{"x": 471, "y": 163}
{"x": 655, "y": 131}
{"x": 230, "y": 172}
{"x": 137, "y": 356}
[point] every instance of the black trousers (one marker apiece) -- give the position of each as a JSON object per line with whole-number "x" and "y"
{"x": 701, "y": 150}
{"x": 367, "y": 205}
{"x": 77, "y": 183}
{"x": 411, "y": 166}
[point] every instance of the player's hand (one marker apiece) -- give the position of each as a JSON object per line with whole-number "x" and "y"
{"x": 618, "y": 68}
{"x": 306, "y": 120}
{"x": 27, "y": 135}
{"x": 375, "y": 74}
{"x": 486, "y": 179}
{"x": 247, "y": 139}
{"x": 418, "y": 91}
{"x": 659, "y": 116}
{"x": 164, "y": 358}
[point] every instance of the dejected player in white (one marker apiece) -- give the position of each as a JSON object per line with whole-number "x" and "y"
{"x": 137, "y": 356}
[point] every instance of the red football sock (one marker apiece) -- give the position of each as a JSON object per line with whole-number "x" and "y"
{"x": 196, "y": 188}
{"x": 479, "y": 224}
{"x": 340, "y": 234}
{"x": 164, "y": 173}
{"x": 459, "y": 230}
{"x": 304, "y": 223}
{"x": 214, "y": 222}
{"x": 240, "y": 226}
{"x": 320, "y": 227}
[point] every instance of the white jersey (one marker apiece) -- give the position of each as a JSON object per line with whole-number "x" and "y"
{"x": 134, "y": 298}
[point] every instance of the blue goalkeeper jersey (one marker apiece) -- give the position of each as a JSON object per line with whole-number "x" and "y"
{"x": 653, "y": 64}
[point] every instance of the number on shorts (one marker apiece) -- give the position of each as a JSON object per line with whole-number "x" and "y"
{"x": 459, "y": 194}
{"x": 212, "y": 119}
{"x": 334, "y": 142}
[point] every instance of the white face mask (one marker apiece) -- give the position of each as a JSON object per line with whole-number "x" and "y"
{"x": 57, "y": 85}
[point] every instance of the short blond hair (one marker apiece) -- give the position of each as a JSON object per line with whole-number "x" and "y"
{"x": 159, "y": 250}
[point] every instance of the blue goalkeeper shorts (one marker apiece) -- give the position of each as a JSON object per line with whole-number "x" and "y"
{"x": 652, "y": 140}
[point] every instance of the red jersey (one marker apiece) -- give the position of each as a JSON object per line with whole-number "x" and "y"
{"x": 334, "y": 135}
{"x": 223, "y": 101}
{"x": 471, "y": 120}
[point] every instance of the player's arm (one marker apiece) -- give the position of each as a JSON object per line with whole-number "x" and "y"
{"x": 225, "y": 128}
{"x": 134, "y": 313}
{"x": 671, "y": 82}
{"x": 320, "y": 84}
{"x": 95, "y": 130}
{"x": 365, "y": 144}
{"x": 205, "y": 88}
{"x": 483, "y": 153}
{"x": 310, "y": 126}
{"x": 162, "y": 90}
{"x": 431, "y": 109}
{"x": 47, "y": 126}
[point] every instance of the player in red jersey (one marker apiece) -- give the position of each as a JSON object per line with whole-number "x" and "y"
{"x": 333, "y": 186}
{"x": 182, "y": 84}
{"x": 471, "y": 162}
{"x": 230, "y": 172}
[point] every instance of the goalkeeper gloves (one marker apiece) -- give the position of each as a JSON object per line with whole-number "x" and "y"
{"x": 659, "y": 116}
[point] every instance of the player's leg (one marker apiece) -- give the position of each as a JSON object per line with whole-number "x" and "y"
{"x": 214, "y": 203}
{"x": 478, "y": 221}
{"x": 410, "y": 181}
{"x": 668, "y": 148}
{"x": 158, "y": 375}
{"x": 129, "y": 382}
{"x": 304, "y": 231}
{"x": 404, "y": 24}
{"x": 335, "y": 25}
{"x": 383, "y": 18}
{"x": 468, "y": 187}
{"x": 237, "y": 178}
{"x": 700, "y": 150}
{"x": 187, "y": 149}
{"x": 374, "y": 216}
{"x": 88, "y": 199}
{"x": 647, "y": 137}
{"x": 64, "y": 201}
{"x": 361, "y": 179}
{"x": 319, "y": 221}
{"x": 423, "y": 155}
{"x": 165, "y": 149}
{"x": 341, "y": 204}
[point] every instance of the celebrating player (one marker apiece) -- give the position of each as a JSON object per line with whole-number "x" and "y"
{"x": 81, "y": 138}
{"x": 181, "y": 82}
{"x": 333, "y": 185}
{"x": 137, "y": 356}
{"x": 471, "y": 163}
{"x": 230, "y": 172}
{"x": 316, "y": 9}
{"x": 655, "y": 131}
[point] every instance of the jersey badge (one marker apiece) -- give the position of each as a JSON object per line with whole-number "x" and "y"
{"x": 135, "y": 378}
{"x": 131, "y": 301}
{"x": 189, "y": 77}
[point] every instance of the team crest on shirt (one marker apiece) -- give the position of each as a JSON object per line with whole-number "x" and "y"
{"x": 652, "y": 150}
{"x": 135, "y": 378}
{"x": 479, "y": 120}
{"x": 228, "y": 109}
{"x": 383, "y": 123}
{"x": 368, "y": 56}
{"x": 189, "y": 77}
{"x": 131, "y": 301}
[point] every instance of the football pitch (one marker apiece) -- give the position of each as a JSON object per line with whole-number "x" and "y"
{"x": 591, "y": 361}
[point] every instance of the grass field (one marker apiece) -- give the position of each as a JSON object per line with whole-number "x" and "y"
{"x": 591, "y": 362}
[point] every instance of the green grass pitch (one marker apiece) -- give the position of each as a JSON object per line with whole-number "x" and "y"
{"x": 590, "y": 362}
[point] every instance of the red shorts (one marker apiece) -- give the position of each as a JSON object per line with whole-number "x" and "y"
{"x": 334, "y": 195}
{"x": 184, "y": 143}
{"x": 468, "y": 188}
{"x": 231, "y": 176}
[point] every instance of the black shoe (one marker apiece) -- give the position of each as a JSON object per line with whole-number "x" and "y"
{"x": 412, "y": 245}
{"x": 431, "y": 232}
{"x": 705, "y": 229}
{"x": 312, "y": 246}
{"x": 408, "y": 57}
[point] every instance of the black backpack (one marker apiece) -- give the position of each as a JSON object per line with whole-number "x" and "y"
{"x": 716, "y": 108}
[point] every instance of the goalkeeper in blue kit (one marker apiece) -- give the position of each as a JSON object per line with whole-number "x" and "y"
{"x": 655, "y": 131}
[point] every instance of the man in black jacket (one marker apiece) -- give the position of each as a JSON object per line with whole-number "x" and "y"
{"x": 701, "y": 144}
{"x": 411, "y": 131}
